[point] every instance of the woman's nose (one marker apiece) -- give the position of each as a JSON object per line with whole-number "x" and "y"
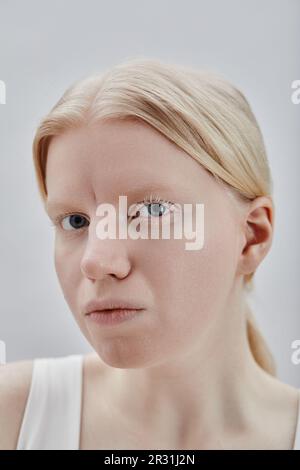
{"x": 105, "y": 257}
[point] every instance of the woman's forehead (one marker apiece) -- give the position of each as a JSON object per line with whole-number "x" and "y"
{"x": 81, "y": 157}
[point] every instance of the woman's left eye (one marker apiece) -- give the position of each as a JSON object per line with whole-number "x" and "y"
{"x": 76, "y": 221}
{"x": 153, "y": 209}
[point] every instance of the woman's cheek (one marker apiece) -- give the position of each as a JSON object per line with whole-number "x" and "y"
{"x": 66, "y": 266}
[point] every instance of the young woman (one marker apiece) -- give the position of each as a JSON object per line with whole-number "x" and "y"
{"x": 179, "y": 363}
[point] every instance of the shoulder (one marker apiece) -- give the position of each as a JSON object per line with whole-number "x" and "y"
{"x": 285, "y": 402}
{"x": 291, "y": 410}
{"x": 15, "y": 380}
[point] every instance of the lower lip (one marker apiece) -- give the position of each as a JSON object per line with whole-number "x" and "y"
{"x": 113, "y": 317}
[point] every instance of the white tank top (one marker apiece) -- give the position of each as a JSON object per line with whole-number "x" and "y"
{"x": 52, "y": 416}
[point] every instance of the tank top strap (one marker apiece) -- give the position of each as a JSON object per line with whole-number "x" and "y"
{"x": 297, "y": 435}
{"x": 52, "y": 416}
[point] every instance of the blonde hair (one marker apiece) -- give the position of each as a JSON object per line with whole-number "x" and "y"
{"x": 199, "y": 111}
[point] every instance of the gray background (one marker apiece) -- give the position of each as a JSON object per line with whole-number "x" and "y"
{"x": 45, "y": 46}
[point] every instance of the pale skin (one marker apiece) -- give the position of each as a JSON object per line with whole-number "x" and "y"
{"x": 182, "y": 376}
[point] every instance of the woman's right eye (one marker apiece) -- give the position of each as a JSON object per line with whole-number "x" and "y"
{"x": 76, "y": 221}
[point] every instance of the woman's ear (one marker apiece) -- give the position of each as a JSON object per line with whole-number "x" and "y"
{"x": 257, "y": 232}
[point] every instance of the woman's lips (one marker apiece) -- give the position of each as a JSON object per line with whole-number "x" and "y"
{"x": 113, "y": 316}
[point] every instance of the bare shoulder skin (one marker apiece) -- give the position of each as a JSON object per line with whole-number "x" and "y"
{"x": 15, "y": 380}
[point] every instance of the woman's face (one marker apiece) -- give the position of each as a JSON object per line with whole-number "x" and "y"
{"x": 183, "y": 292}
